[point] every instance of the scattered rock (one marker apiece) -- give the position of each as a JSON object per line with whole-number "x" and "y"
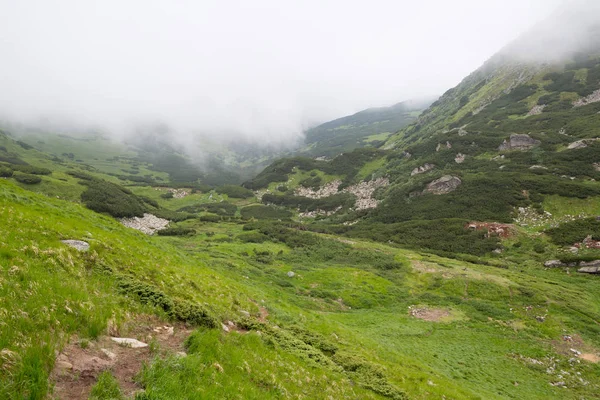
{"x": 582, "y": 144}
{"x": 291, "y": 274}
{"x": 78, "y": 245}
{"x": 519, "y": 142}
{"x": 536, "y": 110}
{"x": 554, "y": 264}
{"x": 589, "y": 270}
{"x": 422, "y": 169}
{"x": 462, "y": 131}
{"x": 63, "y": 363}
{"x": 148, "y": 224}
{"x": 325, "y": 191}
{"x": 181, "y": 354}
{"x": 596, "y": 166}
{"x": 493, "y": 228}
{"x": 128, "y": 342}
{"x": 537, "y": 167}
{"x": 245, "y": 313}
{"x": 460, "y": 158}
{"x": 584, "y": 101}
{"x": 111, "y": 356}
{"x": 445, "y": 184}
{"x": 559, "y": 384}
{"x": 164, "y": 330}
{"x": 576, "y": 352}
{"x": 225, "y": 327}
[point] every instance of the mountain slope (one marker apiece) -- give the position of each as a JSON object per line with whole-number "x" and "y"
{"x": 367, "y": 127}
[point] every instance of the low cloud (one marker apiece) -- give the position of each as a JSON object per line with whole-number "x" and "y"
{"x": 235, "y": 71}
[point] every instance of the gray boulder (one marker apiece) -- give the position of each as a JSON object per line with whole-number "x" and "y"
{"x": 589, "y": 270}
{"x": 554, "y": 264}
{"x": 519, "y": 141}
{"x": 422, "y": 169}
{"x": 445, "y": 184}
{"x": 79, "y": 245}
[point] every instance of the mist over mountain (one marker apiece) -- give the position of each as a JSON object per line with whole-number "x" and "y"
{"x": 260, "y": 73}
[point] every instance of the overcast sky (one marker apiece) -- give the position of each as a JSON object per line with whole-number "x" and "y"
{"x": 261, "y": 68}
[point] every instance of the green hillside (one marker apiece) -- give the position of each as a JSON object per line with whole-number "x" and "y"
{"x": 369, "y": 127}
{"x": 458, "y": 258}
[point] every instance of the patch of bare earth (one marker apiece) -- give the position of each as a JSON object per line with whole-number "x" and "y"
{"x": 574, "y": 346}
{"x": 80, "y": 363}
{"x": 429, "y": 314}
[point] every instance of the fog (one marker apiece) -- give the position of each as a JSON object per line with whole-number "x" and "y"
{"x": 262, "y": 70}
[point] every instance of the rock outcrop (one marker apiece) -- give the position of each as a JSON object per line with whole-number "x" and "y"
{"x": 519, "y": 141}
{"x": 79, "y": 245}
{"x": 536, "y": 110}
{"x": 363, "y": 192}
{"x": 460, "y": 158}
{"x": 327, "y": 190}
{"x": 591, "y": 267}
{"x": 584, "y": 101}
{"x": 581, "y": 144}
{"x": 422, "y": 169}
{"x": 445, "y": 184}
{"x": 148, "y": 224}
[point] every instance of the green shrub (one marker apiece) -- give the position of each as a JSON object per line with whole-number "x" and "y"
{"x": 30, "y": 169}
{"x": 330, "y": 203}
{"x": 105, "y": 197}
{"x": 172, "y": 215}
{"x": 368, "y": 375}
{"x": 24, "y": 145}
{"x": 167, "y": 195}
{"x": 151, "y": 202}
{"x": 264, "y": 212}
{"x": 252, "y": 237}
{"x": 182, "y": 310}
{"x": 5, "y": 172}
{"x": 233, "y": 191}
{"x": 210, "y": 218}
{"x": 81, "y": 175}
{"x": 176, "y": 231}
{"x": 222, "y": 208}
{"x": 573, "y": 232}
{"x": 26, "y": 178}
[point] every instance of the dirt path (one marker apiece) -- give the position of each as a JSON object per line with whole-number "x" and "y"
{"x": 81, "y": 362}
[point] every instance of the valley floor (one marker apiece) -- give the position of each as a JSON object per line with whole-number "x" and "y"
{"x": 332, "y": 319}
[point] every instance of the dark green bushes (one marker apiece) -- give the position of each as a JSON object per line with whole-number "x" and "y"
{"x": 105, "y": 197}
{"x": 81, "y": 175}
{"x": 252, "y": 237}
{"x": 27, "y": 178}
{"x": 210, "y": 218}
{"x": 233, "y": 191}
{"x": 368, "y": 375}
{"x": 222, "y": 208}
{"x": 264, "y": 212}
{"x": 448, "y": 236}
{"x": 30, "y": 169}
{"x": 173, "y": 215}
{"x": 178, "y": 309}
{"x": 168, "y": 195}
{"x": 344, "y": 200}
{"x": 5, "y": 172}
{"x": 573, "y": 232}
{"x": 176, "y": 231}
{"x": 346, "y": 164}
{"x": 24, "y": 145}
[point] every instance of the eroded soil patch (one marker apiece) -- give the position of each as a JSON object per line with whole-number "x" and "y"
{"x": 80, "y": 363}
{"x": 429, "y": 314}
